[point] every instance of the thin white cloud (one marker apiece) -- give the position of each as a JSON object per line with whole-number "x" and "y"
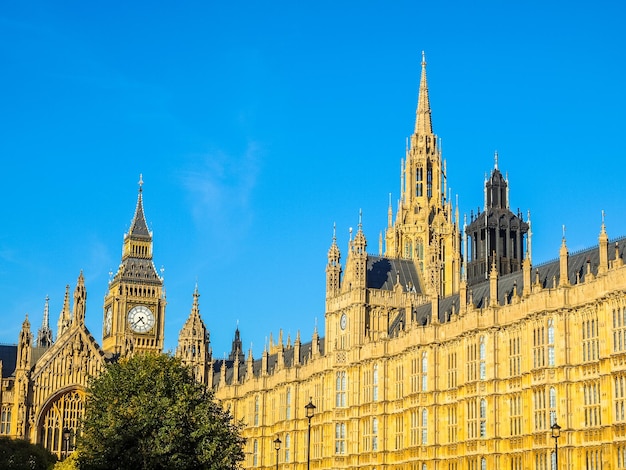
{"x": 221, "y": 185}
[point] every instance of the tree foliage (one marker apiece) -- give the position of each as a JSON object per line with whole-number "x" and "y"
{"x": 19, "y": 454}
{"x": 148, "y": 412}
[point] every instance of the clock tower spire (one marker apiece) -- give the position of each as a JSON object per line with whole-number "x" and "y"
{"x": 134, "y": 306}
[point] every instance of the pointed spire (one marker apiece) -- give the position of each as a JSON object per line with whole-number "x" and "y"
{"x": 80, "y": 300}
{"x": 603, "y": 241}
{"x": 138, "y": 226}
{"x": 563, "y": 262}
{"x": 423, "y": 123}
{"x": 44, "y": 335}
{"x": 24, "y": 351}
{"x": 65, "y": 318}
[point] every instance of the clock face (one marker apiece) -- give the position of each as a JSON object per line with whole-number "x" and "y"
{"x": 343, "y": 322}
{"x": 140, "y": 319}
{"x": 108, "y": 321}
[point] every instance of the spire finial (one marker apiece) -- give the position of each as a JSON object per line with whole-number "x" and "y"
{"x": 563, "y": 231}
{"x": 140, "y": 182}
{"x": 360, "y": 219}
{"x": 496, "y": 159}
{"x": 602, "y": 216}
{"x": 423, "y": 123}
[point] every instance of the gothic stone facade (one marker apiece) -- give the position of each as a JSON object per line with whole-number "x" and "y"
{"x": 447, "y": 350}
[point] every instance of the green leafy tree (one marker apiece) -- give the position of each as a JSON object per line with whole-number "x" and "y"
{"x": 148, "y": 412}
{"x": 19, "y": 454}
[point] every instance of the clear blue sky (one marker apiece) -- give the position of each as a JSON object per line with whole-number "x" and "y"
{"x": 257, "y": 125}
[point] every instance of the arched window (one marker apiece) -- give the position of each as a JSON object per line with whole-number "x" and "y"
{"x": 552, "y": 406}
{"x": 375, "y": 383}
{"x": 424, "y": 371}
{"x": 287, "y": 447}
{"x": 256, "y": 411}
{"x": 482, "y": 358}
{"x": 483, "y": 417}
{"x": 424, "y": 426}
{"x": 65, "y": 412}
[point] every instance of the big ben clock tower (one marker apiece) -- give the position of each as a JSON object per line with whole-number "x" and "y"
{"x": 134, "y": 306}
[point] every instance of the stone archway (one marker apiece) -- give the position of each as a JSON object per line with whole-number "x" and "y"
{"x": 63, "y": 411}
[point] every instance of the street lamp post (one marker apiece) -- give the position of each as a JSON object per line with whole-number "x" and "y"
{"x": 66, "y": 441}
{"x": 277, "y": 443}
{"x": 310, "y": 411}
{"x": 556, "y": 433}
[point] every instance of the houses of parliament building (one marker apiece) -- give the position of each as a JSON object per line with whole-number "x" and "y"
{"x": 446, "y": 350}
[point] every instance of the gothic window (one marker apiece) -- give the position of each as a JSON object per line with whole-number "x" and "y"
{"x": 621, "y": 457}
{"x": 288, "y": 404}
{"x": 593, "y": 459}
{"x": 483, "y": 357}
{"x": 515, "y": 412}
{"x": 452, "y": 372}
{"x": 399, "y": 432}
{"x": 374, "y": 434}
{"x": 424, "y": 371}
{"x": 472, "y": 358}
{"x": 287, "y": 448}
{"x": 591, "y": 404}
{"x": 620, "y": 397}
{"x": 419, "y": 185}
{"x": 414, "y": 427}
{"x": 424, "y": 427}
{"x": 483, "y": 418}
{"x": 619, "y": 329}
{"x": 340, "y": 389}
{"x": 483, "y": 464}
{"x": 419, "y": 252}
{"x": 66, "y": 412}
{"x": 472, "y": 418}
{"x": 543, "y": 344}
{"x": 551, "y": 360}
{"x": 408, "y": 249}
{"x": 5, "y": 420}
{"x": 256, "y": 410}
{"x": 452, "y": 424}
{"x": 541, "y": 461}
{"x": 255, "y": 453}
{"x": 539, "y": 403}
{"x": 429, "y": 182}
{"x": 399, "y": 381}
{"x": 375, "y": 383}
{"x": 515, "y": 355}
{"x": 552, "y": 405}
{"x": 590, "y": 340}
{"x": 340, "y": 438}
{"x": 415, "y": 375}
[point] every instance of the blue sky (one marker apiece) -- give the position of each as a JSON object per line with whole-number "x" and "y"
{"x": 257, "y": 125}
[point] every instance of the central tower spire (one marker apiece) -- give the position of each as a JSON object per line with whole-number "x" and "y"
{"x": 424, "y": 230}
{"x": 423, "y": 123}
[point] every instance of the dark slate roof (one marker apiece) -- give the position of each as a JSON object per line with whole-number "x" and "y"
{"x": 549, "y": 273}
{"x": 272, "y": 360}
{"x": 8, "y": 356}
{"x": 508, "y": 285}
{"x": 382, "y": 273}
{"x": 139, "y": 270}
{"x": 139, "y": 227}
